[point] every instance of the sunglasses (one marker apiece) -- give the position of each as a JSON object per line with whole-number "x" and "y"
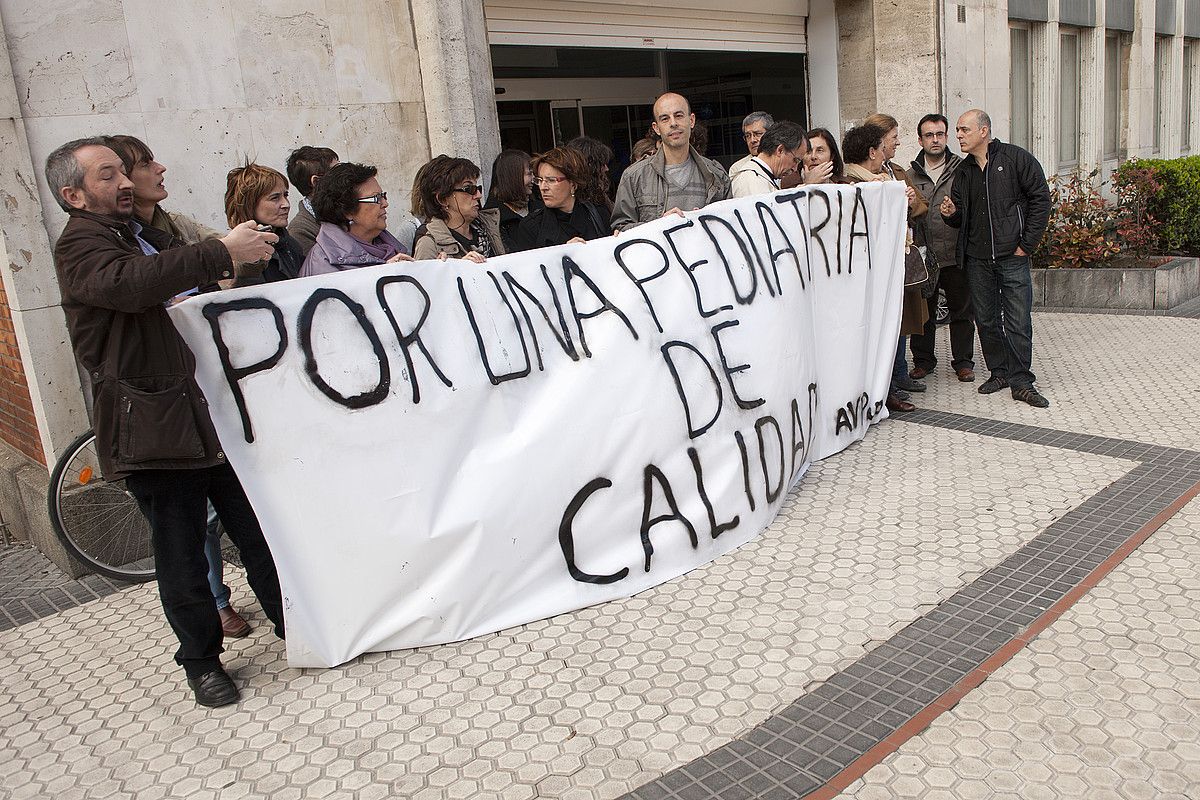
{"x": 469, "y": 188}
{"x": 375, "y": 198}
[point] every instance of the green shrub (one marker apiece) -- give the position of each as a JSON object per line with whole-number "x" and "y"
{"x": 1176, "y": 205}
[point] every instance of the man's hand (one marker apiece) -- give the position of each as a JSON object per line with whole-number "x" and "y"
{"x": 247, "y": 244}
{"x": 911, "y": 195}
{"x": 1020, "y": 252}
{"x": 947, "y": 207}
{"x": 821, "y": 173}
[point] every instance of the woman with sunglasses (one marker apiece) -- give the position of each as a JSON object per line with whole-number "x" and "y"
{"x": 352, "y": 209}
{"x": 561, "y": 176}
{"x": 447, "y": 194}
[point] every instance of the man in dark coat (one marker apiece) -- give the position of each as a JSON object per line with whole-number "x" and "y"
{"x": 1000, "y": 204}
{"x": 151, "y": 419}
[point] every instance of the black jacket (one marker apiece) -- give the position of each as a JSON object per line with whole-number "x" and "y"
{"x": 1015, "y": 194}
{"x": 284, "y": 265}
{"x": 546, "y": 228}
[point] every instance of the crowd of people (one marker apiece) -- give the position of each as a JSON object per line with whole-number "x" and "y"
{"x": 123, "y": 258}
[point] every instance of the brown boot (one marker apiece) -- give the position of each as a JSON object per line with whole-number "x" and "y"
{"x": 233, "y": 625}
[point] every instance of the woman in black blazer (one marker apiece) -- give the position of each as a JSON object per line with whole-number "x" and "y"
{"x": 564, "y": 218}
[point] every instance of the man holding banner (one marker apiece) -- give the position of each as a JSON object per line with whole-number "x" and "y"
{"x": 151, "y": 420}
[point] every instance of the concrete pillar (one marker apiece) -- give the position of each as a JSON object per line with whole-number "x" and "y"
{"x": 889, "y": 61}
{"x": 975, "y": 60}
{"x": 1043, "y": 123}
{"x": 456, "y": 75}
{"x": 824, "y": 111}
{"x": 1140, "y": 120}
{"x": 27, "y": 269}
{"x": 1091, "y": 95}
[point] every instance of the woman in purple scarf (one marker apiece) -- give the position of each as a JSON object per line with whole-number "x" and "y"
{"x": 352, "y": 209}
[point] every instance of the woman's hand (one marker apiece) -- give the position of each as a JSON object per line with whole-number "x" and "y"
{"x": 576, "y": 240}
{"x": 477, "y": 258}
{"x": 400, "y": 257}
{"x": 911, "y": 194}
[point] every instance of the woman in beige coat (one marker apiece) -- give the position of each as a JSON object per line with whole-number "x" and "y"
{"x": 446, "y": 194}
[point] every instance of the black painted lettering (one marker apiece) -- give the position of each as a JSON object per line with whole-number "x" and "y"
{"x": 304, "y": 328}
{"x": 572, "y": 271}
{"x": 651, "y": 476}
{"x": 566, "y": 535}
{"x": 693, "y": 430}
{"x": 714, "y": 528}
{"x": 495, "y": 378}
{"x": 707, "y": 222}
{"x": 759, "y": 426}
{"x": 690, "y": 270}
{"x": 562, "y": 334}
{"x": 715, "y": 330}
{"x": 234, "y": 375}
{"x": 819, "y": 227}
{"x": 865, "y": 233}
{"x": 741, "y": 443}
{"x": 640, "y": 283}
{"x": 407, "y": 340}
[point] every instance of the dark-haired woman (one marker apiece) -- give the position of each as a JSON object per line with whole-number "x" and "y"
{"x": 566, "y": 217}
{"x": 446, "y": 193}
{"x": 597, "y": 156}
{"x": 352, "y": 209}
{"x": 512, "y": 185}
{"x": 255, "y": 192}
{"x": 823, "y": 149}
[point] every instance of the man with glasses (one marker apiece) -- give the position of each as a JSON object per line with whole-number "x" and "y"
{"x": 933, "y": 176}
{"x": 676, "y": 179}
{"x": 753, "y": 127}
{"x": 780, "y": 151}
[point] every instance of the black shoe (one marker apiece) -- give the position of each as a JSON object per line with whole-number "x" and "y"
{"x": 908, "y": 385}
{"x": 993, "y": 384}
{"x": 900, "y": 393}
{"x": 214, "y": 689}
{"x": 1028, "y": 394}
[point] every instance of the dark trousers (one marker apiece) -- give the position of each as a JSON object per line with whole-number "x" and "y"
{"x": 953, "y": 281}
{"x": 175, "y": 503}
{"x": 1002, "y": 296}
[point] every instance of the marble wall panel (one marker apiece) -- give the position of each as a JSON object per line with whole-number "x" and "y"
{"x": 392, "y": 137}
{"x": 70, "y": 56}
{"x": 375, "y": 53}
{"x": 286, "y": 55}
{"x": 185, "y": 58}
{"x": 199, "y": 148}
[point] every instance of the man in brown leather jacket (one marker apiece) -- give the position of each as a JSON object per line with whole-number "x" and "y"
{"x": 150, "y": 417}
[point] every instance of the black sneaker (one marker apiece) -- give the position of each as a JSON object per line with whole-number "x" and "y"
{"x": 1030, "y": 395}
{"x": 215, "y": 689}
{"x": 908, "y": 385}
{"x": 993, "y": 384}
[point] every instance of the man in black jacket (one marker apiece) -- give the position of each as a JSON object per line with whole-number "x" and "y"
{"x": 1000, "y": 204}
{"x": 152, "y": 424}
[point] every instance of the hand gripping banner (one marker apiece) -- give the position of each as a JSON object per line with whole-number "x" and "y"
{"x": 438, "y": 450}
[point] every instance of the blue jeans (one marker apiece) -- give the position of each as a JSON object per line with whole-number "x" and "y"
{"x": 900, "y": 365}
{"x": 1002, "y": 296}
{"x": 216, "y": 569}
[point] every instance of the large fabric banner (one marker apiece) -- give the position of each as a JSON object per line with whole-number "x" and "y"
{"x": 439, "y": 450}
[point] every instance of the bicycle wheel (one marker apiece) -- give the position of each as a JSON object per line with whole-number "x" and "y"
{"x": 98, "y": 521}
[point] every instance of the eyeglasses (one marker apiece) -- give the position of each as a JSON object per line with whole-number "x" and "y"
{"x": 548, "y": 181}
{"x": 375, "y": 198}
{"x": 469, "y": 188}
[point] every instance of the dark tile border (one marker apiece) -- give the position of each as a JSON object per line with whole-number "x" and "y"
{"x": 829, "y": 737}
{"x": 32, "y": 588}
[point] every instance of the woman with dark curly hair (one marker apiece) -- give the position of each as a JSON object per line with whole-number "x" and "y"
{"x": 352, "y": 209}
{"x": 597, "y": 155}
{"x": 255, "y": 192}
{"x": 446, "y": 194}
{"x": 512, "y": 186}
{"x": 566, "y": 217}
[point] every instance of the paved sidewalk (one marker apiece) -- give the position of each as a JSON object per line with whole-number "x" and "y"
{"x": 896, "y": 571}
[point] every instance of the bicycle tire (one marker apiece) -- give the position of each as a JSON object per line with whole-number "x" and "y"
{"x": 98, "y": 521}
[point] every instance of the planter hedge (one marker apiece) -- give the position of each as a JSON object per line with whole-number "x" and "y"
{"x": 1176, "y": 206}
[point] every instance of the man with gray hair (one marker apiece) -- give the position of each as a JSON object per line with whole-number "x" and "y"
{"x": 151, "y": 420}
{"x": 753, "y": 127}
{"x": 1000, "y": 203}
{"x": 780, "y": 151}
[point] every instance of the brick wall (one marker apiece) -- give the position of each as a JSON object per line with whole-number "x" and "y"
{"x": 17, "y": 425}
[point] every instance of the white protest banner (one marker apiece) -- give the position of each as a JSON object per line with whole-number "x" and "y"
{"x": 439, "y": 450}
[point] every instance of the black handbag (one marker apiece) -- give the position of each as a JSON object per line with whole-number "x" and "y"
{"x": 915, "y": 271}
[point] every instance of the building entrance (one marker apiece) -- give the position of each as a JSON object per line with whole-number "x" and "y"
{"x": 546, "y": 96}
